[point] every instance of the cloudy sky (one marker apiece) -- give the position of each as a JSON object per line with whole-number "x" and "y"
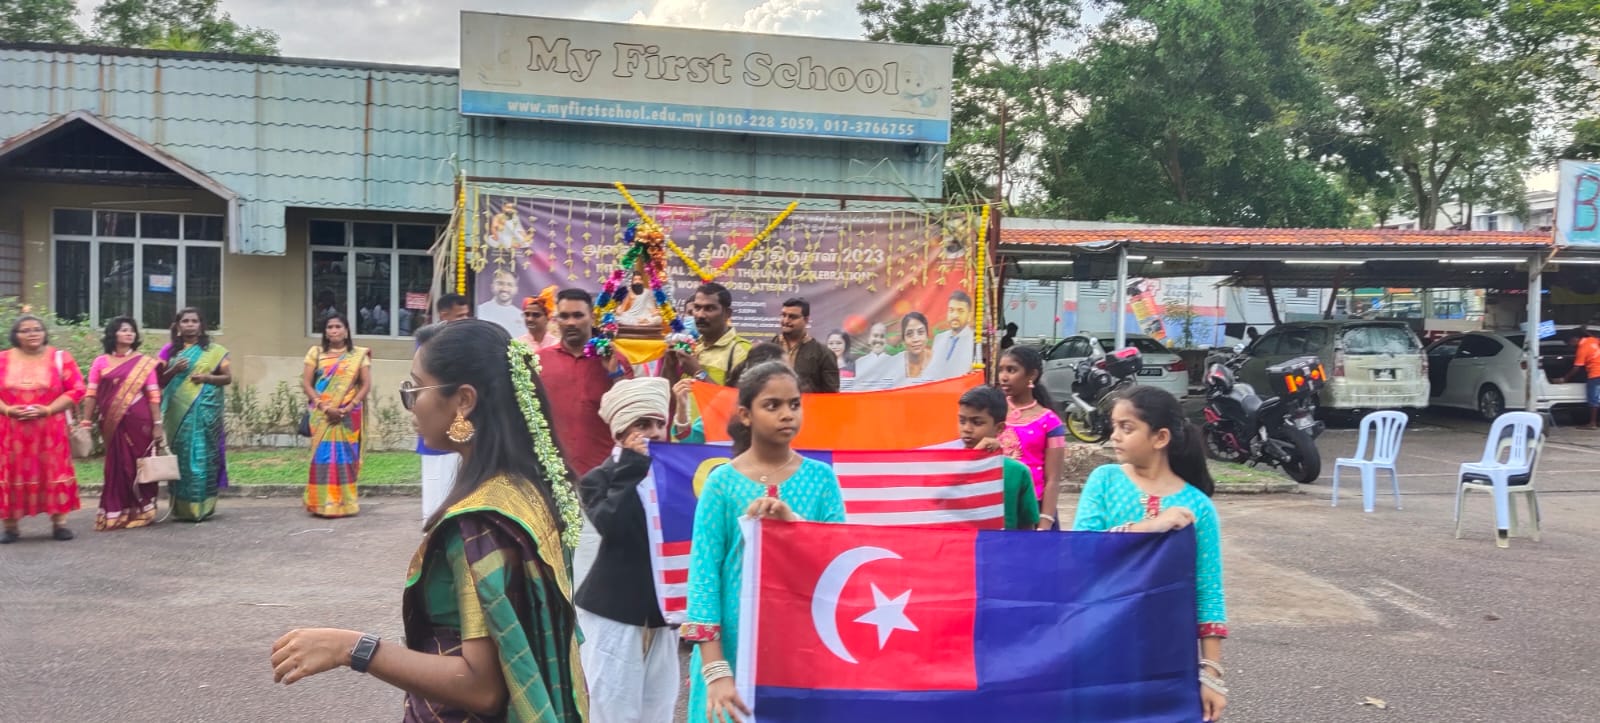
{"x": 424, "y": 32}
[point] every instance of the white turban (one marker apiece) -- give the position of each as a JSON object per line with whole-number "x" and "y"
{"x": 633, "y": 399}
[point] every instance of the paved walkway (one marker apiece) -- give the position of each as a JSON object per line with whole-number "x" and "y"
{"x": 1329, "y": 606}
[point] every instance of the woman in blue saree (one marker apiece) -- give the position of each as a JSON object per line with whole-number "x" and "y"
{"x": 193, "y": 372}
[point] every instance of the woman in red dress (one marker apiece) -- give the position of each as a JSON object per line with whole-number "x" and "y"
{"x": 38, "y": 383}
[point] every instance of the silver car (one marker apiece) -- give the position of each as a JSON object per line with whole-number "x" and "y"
{"x": 1162, "y": 366}
{"x": 1370, "y": 364}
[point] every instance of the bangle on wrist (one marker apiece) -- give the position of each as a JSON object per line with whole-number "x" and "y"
{"x": 1044, "y": 516}
{"x": 715, "y": 671}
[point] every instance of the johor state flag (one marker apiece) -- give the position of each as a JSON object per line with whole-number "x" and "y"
{"x": 845, "y": 623}
{"x": 928, "y": 487}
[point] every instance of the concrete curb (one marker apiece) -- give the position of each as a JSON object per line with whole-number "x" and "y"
{"x": 298, "y": 490}
{"x": 1286, "y": 487}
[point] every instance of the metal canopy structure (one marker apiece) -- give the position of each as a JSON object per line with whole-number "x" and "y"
{"x": 1311, "y": 258}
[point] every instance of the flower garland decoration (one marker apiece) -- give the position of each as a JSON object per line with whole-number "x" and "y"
{"x": 524, "y": 364}
{"x": 645, "y": 243}
{"x": 689, "y": 262}
{"x": 461, "y": 236}
{"x": 983, "y": 290}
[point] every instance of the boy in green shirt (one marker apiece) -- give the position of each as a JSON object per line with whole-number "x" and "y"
{"x": 981, "y": 417}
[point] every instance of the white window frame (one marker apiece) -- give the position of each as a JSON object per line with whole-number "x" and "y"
{"x": 350, "y": 250}
{"x": 181, "y": 274}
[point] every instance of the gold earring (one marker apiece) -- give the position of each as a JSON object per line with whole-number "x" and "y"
{"x": 461, "y": 430}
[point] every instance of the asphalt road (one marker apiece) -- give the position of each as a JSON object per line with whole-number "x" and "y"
{"x": 1329, "y": 606}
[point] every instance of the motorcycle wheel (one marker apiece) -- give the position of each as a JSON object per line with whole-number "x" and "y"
{"x": 1083, "y": 427}
{"x": 1220, "y": 450}
{"x": 1305, "y": 463}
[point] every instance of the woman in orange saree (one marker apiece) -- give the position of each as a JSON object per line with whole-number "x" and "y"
{"x": 124, "y": 386}
{"x": 337, "y": 379}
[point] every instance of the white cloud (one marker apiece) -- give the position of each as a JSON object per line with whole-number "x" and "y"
{"x": 426, "y": 32}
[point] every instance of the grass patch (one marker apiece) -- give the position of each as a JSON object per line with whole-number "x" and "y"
{"x": 290, "y": 466}
{"x": 1226, "y": 473}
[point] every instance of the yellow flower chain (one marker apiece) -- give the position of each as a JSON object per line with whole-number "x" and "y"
{"x": 983, "y": 257}
{"x": 461, "y": 238}
{"x": 693, "y": 267}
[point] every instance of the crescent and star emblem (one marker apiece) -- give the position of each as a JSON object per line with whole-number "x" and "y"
{"x": 887, "y": 614}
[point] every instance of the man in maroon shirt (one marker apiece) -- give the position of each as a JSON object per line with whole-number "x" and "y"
{"x": 576, "y": 382}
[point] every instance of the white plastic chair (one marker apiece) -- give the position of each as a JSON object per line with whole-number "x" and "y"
{"x": 1384, "y": 431}
{"x": 1517, "y": 438}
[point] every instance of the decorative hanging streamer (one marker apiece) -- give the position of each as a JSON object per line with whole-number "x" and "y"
{"x": 461, "y": 236}
{"x": 983, "y": 285}
{"x": 693, "y": 267}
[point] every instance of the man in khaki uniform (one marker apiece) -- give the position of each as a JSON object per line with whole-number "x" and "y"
{"x": 721, "y": 347}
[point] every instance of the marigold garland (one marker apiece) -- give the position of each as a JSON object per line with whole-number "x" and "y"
{"x": 643, "y": 240}
{"x": 689, "y": 262}
{"x": 524, "y": 365}
{"x": 983, "y": 257}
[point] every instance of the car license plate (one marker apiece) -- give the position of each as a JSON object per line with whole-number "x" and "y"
{"x": 1383, "y": 375}
{"x": 1304, "y": 421}
{"x": 1150, "y": 372}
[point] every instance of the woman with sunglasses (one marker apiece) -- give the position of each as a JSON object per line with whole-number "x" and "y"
{"x": 490, "y": 628}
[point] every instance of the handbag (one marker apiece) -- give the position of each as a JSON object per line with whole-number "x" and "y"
{"x": 304, "y": 429}
{"x": 81, "y": 439}
{"x": 155, "y": 467}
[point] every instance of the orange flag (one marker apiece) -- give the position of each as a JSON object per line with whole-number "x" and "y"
{"x": 895, "y": 419}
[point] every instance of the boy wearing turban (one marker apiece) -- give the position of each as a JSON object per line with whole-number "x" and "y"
{"x": 629, "y": 655}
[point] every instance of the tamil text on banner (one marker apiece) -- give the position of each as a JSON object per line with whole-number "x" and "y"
{"x": 891, "y": 291}
{"x": 906, "y": 418}
{"x": 946, "y": 487}
{"x": 846, "y": 623}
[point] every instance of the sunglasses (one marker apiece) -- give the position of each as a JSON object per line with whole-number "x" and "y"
{"x": 409, "y": 392}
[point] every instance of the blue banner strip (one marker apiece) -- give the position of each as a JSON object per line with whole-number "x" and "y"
{"x": 706, "y": 118}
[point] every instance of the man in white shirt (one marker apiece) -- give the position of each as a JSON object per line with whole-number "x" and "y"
{"x": 873, "y": 369}
{"x": 502, "y": 308}
{"x": 953, "y": 348}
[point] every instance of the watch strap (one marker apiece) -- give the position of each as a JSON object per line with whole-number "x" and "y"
{"x": 361, "y": 654}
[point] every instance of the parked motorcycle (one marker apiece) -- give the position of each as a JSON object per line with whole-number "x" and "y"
{"x": 1097, "y": 383}
{"x": 1278, "y": 431}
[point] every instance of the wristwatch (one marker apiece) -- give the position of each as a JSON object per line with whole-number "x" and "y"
{"x": 361, "y": 654}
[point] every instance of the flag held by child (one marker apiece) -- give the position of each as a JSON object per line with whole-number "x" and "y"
{"x": 925, "y": 487}
{"x": 863, "y": 623}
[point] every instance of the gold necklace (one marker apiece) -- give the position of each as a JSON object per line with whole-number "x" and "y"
{"x": 779, "y": 468}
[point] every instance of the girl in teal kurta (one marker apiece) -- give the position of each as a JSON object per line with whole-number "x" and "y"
{"x": 1163, "y": 484}
{"x": 768, "y": 480}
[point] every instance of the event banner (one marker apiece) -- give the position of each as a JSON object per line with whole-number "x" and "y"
{"x": 891, "y": 292}
{"x": 854, "y": 623}
{"x": 633, "y": 74}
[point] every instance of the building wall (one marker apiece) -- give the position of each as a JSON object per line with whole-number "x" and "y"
{"x": 294, "y": 133}
{"x": 264, "y": 300}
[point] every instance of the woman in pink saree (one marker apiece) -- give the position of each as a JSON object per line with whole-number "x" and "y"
{"x": 124, "y": 388}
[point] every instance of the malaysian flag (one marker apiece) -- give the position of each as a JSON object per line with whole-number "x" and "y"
{"x": 923, "y": 487}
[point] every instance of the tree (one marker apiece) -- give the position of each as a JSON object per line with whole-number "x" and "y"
{"x": 178, "y": 24}
{"x": 38, "y": 21}
{"x": 1426, "y": 90}
{"x": 1005, "y": 53}
{"x": 1194, "y": 111}
{"x": 1585, "y": 145}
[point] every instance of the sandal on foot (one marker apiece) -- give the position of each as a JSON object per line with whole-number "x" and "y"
{"x": 63, "y": 534}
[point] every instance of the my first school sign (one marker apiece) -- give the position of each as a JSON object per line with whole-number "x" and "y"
{"x": 1578, "y": 205}
{"x": 644, "y": 75}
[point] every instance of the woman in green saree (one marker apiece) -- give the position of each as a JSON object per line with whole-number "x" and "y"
{"x": 491, "y": 632}
{"x": 193, "y": 372}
